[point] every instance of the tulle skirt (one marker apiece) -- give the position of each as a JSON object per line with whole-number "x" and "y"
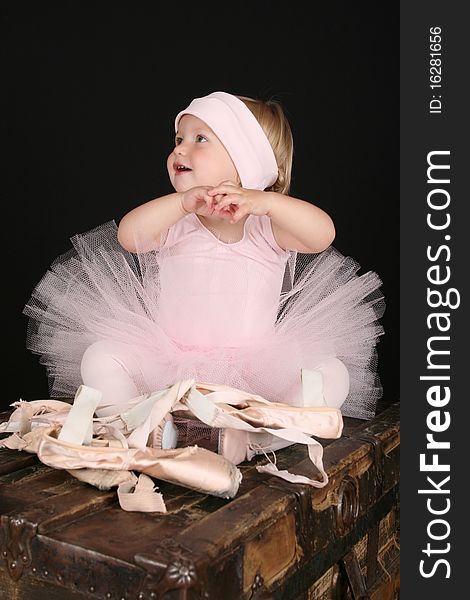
{"x": 100, "y": 292}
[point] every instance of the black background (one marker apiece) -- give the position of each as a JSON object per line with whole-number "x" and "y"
{"x": 90, "y": 94}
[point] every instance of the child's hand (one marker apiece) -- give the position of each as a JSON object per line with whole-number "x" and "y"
{"x": 197, "y": 200}
{"x": 233, "y": 202}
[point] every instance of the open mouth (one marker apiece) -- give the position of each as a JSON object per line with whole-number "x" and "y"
{"x": 181, "y": 168}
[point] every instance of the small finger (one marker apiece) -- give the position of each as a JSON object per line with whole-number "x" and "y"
{"x": 209, "y": 203}
{"x": 225, "y": 188}
{"x": 239, "y": 214}
{"x": 220, "y": 189}
{"x": 218, "y": 199}
{"x": 228, "y": 200}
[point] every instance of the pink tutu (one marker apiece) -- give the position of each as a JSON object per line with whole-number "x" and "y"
{"x": 248, "y": 315}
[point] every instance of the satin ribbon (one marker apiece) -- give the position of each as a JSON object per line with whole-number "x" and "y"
{"x": 67, "y": 437}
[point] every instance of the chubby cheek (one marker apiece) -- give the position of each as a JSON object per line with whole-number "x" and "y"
{"x": 228, "y": 169}
{"x": 169, "y": 167}
{"x": 169, "y": 164}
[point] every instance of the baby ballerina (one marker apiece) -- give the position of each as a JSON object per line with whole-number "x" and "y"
{"x": 228, "y": 280}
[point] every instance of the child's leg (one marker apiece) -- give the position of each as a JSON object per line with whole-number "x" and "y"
{"x": 326, "y": 383}
{"x": 106, "y": 366}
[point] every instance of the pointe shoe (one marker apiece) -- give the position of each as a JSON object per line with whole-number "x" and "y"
{"x": 165, "y": 436}
{"x": 237, "y": 446}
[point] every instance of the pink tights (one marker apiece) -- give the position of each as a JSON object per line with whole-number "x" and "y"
{"x": 106, "y": 366}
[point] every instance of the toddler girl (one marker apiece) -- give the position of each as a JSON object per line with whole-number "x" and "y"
{"x": 206, "y": 282}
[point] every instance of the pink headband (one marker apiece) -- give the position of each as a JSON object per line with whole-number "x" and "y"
{"x": 241, "y": 134}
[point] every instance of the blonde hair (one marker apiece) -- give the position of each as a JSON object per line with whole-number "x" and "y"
{"x": 270, "y": 115}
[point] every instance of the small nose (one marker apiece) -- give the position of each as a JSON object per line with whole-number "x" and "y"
{"x": 180, "y": 149}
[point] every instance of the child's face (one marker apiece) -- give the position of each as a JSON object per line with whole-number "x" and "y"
{"x": 198, "y": 149}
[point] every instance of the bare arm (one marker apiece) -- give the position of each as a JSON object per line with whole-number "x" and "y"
{"x": 141, "y": 229}
{"x": 299, "y": 225}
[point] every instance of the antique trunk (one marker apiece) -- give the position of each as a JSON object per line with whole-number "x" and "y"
{"x": 62, "y": 539}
